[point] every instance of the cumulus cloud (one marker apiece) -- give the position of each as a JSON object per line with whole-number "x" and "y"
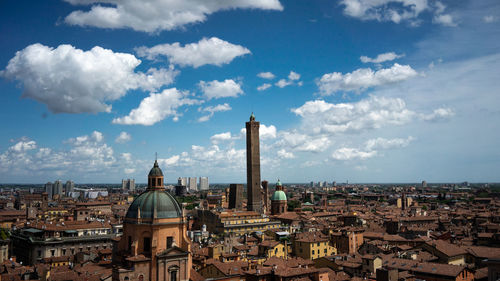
{"x": 444, "y": 19}
{"x": 371, "y": 148}
{"x": 156, "y": 15}
{"x": 438, "y": 114}
{"x": 298, "y": 141}
{"x": 220, "y": 89}
{"x": 293, "y": 76}
{"x": 396, "y": 11}
{"x": 346, "y": 153}
{"x": 489, "y": 19}
{"x": 211, "y": 111}
{"x": 221, "y": 137}
{"x": 390, "y": 56}
{"x": 382, "y": 143}
{"x": 85, "y": 154}
{"x": 207, "y": 51}
{"x": 266, "y": 75}
{"x": 371, "y": 113}
{"x": 363, "y": 78}
{"x": 264, "y": 87}
{"x": 282, "y": 153}
{"x": 157, "y": 107}
{"x": 282, "y": 83}
{"x": 70, "y": 80}
{"x": 123, "y": 137}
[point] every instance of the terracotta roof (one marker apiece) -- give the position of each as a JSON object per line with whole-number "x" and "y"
{"x": 483, "y": 252}
{"x": 423, "y": 267}
{"x": 446, "y": 248}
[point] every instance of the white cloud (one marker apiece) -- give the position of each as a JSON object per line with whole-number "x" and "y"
{"x": 363, "y": 78}
{"x": 382, "y": 143}
{"x": 129, "y": 171}
{"x": 211, "y": 111}
{"x": 282, "y": 153}
{"x": 123, "y": 137}
{"x": 438, "y": 114}
{"x": 70, "y": 80}
{"x": 267, "y": 132}
{"x": 156, "y": 107}
{"x": 220, "y": 89}
{"x": 264, "y": 87}
{"x": 127, "y": 156}
{"x": 297, "y": 141}
{"x": 489, "y": 19}
{"x": 266, "y": 75}
{"x": 156, "y": 15}
{"x": 282, "y": 83}
{"x": 397, "y": 11}
{"x": 221, "y": 137}
{"x": 207, "y": 51}
{"x": 390, "y": 56}
{"x": 371, "y": 113}
{"x": 293, "y": 76}
{"x": 444, "y": 19}
{"x": 85, "y": 154}
{"x": 346, "y": 153}
{"x": 22, "y": 146}
{"x": 385, "y": 10}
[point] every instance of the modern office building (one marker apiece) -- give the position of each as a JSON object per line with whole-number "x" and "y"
{"x": 57, "y": 188}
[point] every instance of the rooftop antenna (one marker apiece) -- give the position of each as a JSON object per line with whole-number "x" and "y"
{"x": 156, "y": 156}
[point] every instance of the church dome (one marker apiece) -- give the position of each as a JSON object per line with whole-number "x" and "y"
{"x": 278, "y": 195}
{"x": 156, "y": 171}
{"x": 154, "y": 204}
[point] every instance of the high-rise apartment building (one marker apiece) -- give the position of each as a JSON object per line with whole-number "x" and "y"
{"x": 254, "y": 194}
{"x": 57, "y": 188}
{"x": 49, "y": 189}
{"x": 128, "y": 184}
{"x": 204, "y": 183}
{"x": 69, "y": 187}
{"x": 182, "y": 181}
{"x": 192, "y": 184}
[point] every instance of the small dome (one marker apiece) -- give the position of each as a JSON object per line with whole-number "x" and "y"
{"x": 278, "y": 195}
{"x": 278, "y": 183}
{"x": 154, "y": 204}
{"x": 156, "y": 171}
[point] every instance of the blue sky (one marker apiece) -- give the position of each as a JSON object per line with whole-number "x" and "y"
{"x": 392, "y": 91}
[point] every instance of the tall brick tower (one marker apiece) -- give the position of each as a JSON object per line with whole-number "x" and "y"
{"x": 254, "y": 195}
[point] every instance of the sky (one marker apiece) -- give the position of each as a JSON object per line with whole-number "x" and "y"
{"x": 350, "y": 90}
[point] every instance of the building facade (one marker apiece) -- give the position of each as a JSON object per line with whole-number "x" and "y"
{"x": 154, "y": 245}
{"x": 235, "y": 196}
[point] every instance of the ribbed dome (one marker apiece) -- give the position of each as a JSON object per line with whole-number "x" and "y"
{"x": 154, "y": 204}
{"x": 278, "y": 195}
{"x": 156, "y": 171}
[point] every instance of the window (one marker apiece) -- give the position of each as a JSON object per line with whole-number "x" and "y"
{"x": 318, "y": 244}
{"x": 39, "y": 253}
{"x": 52, "y": 253}
{"x": 64, "y": 252}
{"x": 313, "y": 252}
{"x": 147, "y": 244}
{"x": 170, "y": 241}
{"x": 130, "y": 243}
{"x": 325, "y": 251}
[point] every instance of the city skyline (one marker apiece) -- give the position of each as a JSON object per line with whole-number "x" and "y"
{"x": 92, "y": 99}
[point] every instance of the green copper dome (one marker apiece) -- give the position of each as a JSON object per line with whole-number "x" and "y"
{"x": 154, "y": 204}
{"x": 278, "y": 183}
{"x": 156, "y": 171}
{"x": 278, "y": 195}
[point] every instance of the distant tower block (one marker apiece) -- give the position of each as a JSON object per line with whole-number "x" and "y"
{"x": 254, "y": 195}
{"x": 236, "y": 196}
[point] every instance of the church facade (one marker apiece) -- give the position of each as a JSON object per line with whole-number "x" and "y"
{"x": 154, "y": 245}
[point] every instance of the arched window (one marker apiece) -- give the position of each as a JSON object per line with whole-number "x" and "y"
{"x": 126, "y": 278}
{"x": 141, "y": 277}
